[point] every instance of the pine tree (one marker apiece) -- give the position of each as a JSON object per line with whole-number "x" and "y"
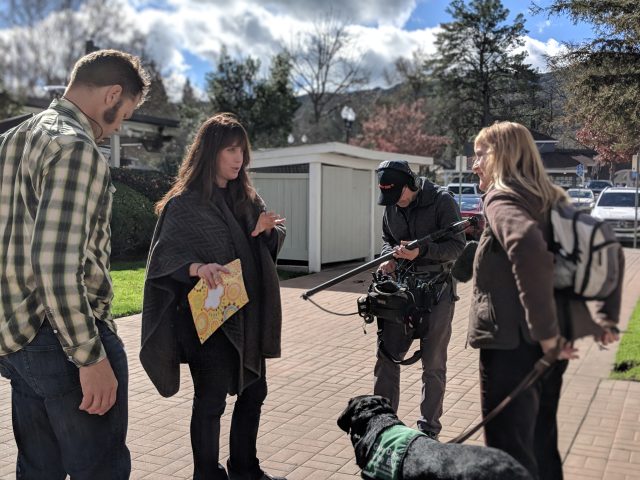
{"x": 265, "y": 106}
{"x": 601, "y": 77}
{"x": 479, "y": 77}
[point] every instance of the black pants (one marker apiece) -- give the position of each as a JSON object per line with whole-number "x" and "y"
{"x": 214, "y": 367}
{"x": 527, "y": 428}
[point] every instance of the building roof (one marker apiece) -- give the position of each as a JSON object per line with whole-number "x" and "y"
{"x": 43, "y": 103}
{"x": 567, "y": 159}
{"x": 542, "y": 137}
{"x": 331, "y": 153}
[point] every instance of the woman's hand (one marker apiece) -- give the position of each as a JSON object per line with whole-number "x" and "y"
{"x": 210, "y": 272}
{"x": 610, "y": 332}
{"x": 567, "y": 351}
{"x": 266, "y": 222}
{"x": 403, "y": 252}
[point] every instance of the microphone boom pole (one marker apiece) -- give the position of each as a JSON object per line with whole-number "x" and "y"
{"x": 454, "y": 228}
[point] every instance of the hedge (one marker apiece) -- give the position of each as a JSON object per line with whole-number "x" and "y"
{"x": 150, "y": 183}
{"x": 132, "y": 223}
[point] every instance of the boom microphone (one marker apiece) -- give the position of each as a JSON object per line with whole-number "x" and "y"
{"x": 439, "y": 235}
{"x": 462, "y": 269}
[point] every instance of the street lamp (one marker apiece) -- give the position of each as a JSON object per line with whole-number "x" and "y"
{"x": 349, "y": 116}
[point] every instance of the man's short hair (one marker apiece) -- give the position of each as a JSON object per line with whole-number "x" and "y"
{"x": 112, "y": 67}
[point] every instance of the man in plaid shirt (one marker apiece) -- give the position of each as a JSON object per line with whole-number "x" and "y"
{"x": 58, "y": 342}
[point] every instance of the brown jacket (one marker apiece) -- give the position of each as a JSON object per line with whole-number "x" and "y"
{"x": 513, "y": 294}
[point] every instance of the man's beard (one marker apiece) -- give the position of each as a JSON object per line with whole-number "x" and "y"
{"x": 109, "y": 116}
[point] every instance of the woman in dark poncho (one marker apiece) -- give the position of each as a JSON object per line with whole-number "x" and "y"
{"x": 211, "y": 216}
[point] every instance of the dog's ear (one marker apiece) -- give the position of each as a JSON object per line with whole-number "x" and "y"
{"x": 344, "y": 420}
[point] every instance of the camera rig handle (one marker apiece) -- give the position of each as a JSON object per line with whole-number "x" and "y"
{"x": 453, "y": 229}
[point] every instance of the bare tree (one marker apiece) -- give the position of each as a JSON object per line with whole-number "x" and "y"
{"x": 326, "y": 63}
{"x": 413, "y": 72}
{"x": 46, "y": 37}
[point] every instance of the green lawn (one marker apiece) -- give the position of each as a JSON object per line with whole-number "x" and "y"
{"x": 627, "y": 366}
{"x": 128, "y": 279}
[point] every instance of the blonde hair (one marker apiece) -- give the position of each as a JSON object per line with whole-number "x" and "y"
{"x": 512, "y": 160}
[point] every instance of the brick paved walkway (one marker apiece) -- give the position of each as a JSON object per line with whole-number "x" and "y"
{"x": 327, "y": 360}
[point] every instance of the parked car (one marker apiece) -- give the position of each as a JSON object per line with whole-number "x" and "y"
{"x": 597, "y": 186}
{"x": 616, "y": 206}
{"x": 471, "y": 205}
{"x": 467, "y": 188}
{"x": 582, "y": 198}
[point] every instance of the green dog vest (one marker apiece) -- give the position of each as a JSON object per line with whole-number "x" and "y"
{"x": 388, "y": 452}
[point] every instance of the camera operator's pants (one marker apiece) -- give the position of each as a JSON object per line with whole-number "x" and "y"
{"x": 434, "y": 330}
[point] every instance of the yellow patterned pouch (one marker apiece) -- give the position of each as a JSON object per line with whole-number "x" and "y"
{"x": 211, "y": 308}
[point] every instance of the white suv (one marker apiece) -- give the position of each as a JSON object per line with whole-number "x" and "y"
{"x": 616, "y": 206}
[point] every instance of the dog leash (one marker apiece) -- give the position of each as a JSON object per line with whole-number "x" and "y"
{"x": 539, "y": 368}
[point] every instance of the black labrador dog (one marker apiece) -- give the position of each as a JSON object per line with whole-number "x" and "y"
{"x": 419, "y": 457}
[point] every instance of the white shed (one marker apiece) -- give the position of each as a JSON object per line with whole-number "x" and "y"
{"x": 328, "y": 193}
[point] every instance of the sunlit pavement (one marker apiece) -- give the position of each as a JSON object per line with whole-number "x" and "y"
{"x": 327, "y": 359}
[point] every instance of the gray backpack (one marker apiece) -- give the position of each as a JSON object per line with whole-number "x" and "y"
{"x": 586, "y": 253}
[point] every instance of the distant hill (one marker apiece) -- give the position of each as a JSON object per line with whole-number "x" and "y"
{"x": 331, "y": 126}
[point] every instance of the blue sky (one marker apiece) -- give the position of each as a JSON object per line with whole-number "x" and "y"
{"x": 430, "y": 13}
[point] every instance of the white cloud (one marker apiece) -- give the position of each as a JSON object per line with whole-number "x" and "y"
{"x": 175, "y": 29}
{"x": 383, "y": 45}
{"x": 248, "y": 27}
{"x": 537, "y": 52}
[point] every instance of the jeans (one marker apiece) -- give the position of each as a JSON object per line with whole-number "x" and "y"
{"x": 214, "y": 366}
{"x": 434, "y": 330}
{"x": 527, "y": 428}
{"x": 55, "y": 438}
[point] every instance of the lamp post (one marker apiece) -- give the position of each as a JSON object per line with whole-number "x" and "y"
{"x": 349, "y": 116}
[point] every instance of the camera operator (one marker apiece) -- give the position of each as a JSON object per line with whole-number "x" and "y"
{"x": 415, "y": 207}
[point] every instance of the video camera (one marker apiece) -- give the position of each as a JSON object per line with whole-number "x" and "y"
{"x": 406, "y": 296}
{"x": 398, "y": 301}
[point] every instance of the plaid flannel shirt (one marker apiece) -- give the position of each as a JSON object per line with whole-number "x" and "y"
{"x": 55, "y": 212}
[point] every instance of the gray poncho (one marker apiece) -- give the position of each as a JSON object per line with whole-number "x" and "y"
{"x": 190, "y": 231}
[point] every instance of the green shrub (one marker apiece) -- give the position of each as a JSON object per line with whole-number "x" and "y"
{"x": 132, "y": 223}
{"x": 150, "y": 183}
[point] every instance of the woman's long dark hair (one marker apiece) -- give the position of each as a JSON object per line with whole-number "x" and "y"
{"x": 198, "y": 169}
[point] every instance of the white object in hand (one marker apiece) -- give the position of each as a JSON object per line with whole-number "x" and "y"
{"x": 213, "y": 297}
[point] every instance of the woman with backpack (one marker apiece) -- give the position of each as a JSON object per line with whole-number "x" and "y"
{"x": 515, "y": 315}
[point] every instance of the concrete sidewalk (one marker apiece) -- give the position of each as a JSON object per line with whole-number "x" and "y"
{"x": 327, "y": 359}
